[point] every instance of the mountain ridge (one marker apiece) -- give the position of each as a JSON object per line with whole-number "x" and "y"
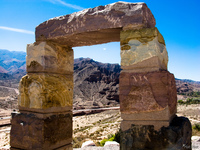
{"x": 96, "y": 84}
{"x": 11, "y": 61}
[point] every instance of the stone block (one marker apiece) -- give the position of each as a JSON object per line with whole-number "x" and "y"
{"x": 46, "y": 93}
{"x": 30, "y": 131}
{"x": 175, "y": 136}
{"x": 49, "y": 57}
{"x": 97, "y": 25}
{"x": 143, "y": 50}
{"x": 159, "y": 115}
{"x": 157, "y": 124}
{"x": 147, "y": 92}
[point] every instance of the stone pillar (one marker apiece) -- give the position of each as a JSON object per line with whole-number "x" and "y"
{"x": 44, "y": 120}
{"x": 147, "y": 93}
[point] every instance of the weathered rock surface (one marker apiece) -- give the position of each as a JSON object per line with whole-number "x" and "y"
{"x": 37, "y": 131}
{"x": 46, "y": 93}
{"x": 177, "y": 136}
{"x": 143, "y": 50}
{"x": 97, "y": 25}
{"x": 147, "y": 92}
{"x": 47, "y": 57}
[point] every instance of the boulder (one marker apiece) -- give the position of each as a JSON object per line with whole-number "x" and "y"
{"x": 177, "y": 136}
{"x": 111, "y": 143}
{"x": 88, "y": 143}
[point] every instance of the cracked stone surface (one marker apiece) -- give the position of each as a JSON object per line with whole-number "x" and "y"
{"x": 46, "y": 92}
{"x": 143, "y": 50}
{"x": 97, "y": 25}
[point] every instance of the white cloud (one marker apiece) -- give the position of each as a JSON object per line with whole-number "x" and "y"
{"x": 66, "y": 4}
{"x": 16, "y": 30}
{"x": 104, "y": 49}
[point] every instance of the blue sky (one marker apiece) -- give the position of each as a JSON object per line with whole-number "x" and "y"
{"x": 177, "y": 20}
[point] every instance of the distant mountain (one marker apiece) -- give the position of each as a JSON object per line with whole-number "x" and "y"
{"x": 2, "y": 70}
{"x": 9, "y": 55}
{"x": 187, "y": 87}
{"x": 11, "y": 61}
{"x": 96, "y": 84}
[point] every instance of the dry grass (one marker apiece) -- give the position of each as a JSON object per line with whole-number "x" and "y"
{"x": 96, "y": 127}
{"x": 4, "y": 137}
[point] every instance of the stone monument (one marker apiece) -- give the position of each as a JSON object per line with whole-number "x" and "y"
{"x": 147, "y": 90}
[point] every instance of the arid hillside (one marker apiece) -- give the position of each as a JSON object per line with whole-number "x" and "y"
{"x": 95, "y": 85}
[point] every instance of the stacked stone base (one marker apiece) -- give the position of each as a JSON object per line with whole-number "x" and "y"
{"x": 144, "y": 137}
{"x": 148, "y": 98}
{"x": 41, "y": 131}
{"x": 44, "y": 121}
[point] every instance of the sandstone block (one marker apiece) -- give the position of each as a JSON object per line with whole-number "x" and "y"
{"x": 49, "y": 57}
{"x": 159, "y": 115}
{"x": 147, "y": 92}
{"x": 143, "y": 50}
{"x": 157, "y": 124}
{"x": 32, "y": 132}
{"x": 97, "y": 25}
{"x": 46, "y": 93}
{"x": 176, "y": 136}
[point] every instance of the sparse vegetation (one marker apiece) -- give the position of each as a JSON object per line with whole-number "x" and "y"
{"x": 196, "y": 129}
{"x": 111, "y": 137}
{"x": 96, "y": 127}
{"x": 192, "y": 94}
{"x": 189, "y": 101}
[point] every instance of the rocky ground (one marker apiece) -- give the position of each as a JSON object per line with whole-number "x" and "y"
{"x": 95, "y": 127}
{"x": 190, "y": 111}
{"x": 98, "y": 126}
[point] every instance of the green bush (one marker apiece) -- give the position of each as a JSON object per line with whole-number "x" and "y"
{"x": 102, "y": 143}
{"x": 111, "y": 137}
{"x": 189, "y": 101}
{"x": 192, "y": 94}
{"x": 180, "y": 102}
{"x": 193, "y": 101}
{"x": 196, "y": 127}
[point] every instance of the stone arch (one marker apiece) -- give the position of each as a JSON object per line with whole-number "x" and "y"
{"x": 97, "y": 25}
{"x": 147, "y": 89}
